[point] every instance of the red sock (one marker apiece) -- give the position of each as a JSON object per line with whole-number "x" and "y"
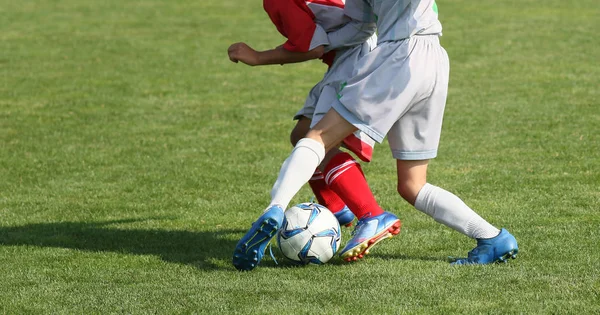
{"x": 345, "y": 177}
{"x": 324, "y": 194}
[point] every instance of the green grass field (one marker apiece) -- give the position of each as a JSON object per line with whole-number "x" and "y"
{"x": 134, "y": 155}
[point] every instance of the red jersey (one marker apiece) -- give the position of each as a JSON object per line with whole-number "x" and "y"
{"x": 297, "y": 21}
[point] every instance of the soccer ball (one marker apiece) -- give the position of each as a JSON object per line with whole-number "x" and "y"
{"x": 310, "y": 234}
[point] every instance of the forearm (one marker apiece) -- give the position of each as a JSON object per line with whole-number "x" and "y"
{"x": 281, "y": 55}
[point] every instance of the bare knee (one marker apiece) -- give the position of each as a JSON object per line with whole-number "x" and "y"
{"x": 409, "y": 190}
{"x": 300, "y": 130}
{"x": 412, "y": 176}
{"x": 295, "y": 136}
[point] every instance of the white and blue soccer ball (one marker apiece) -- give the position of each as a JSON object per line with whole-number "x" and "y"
{"x": 310, "y": 234}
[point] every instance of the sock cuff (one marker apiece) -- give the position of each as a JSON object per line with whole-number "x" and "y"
{"x": 423, "y": 197}
{"x": 317, "y": 175}
{"x": 313, "y": 145}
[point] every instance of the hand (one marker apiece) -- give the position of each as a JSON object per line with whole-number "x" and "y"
{"x": 244, "y": 53}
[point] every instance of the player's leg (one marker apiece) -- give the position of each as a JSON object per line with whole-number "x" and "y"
{"x": 296, "y": 171}
{"x": 374, "y": 224}
{"x": 424, "y": 118}
{"x": 374, "y": 108}
{"x": 343, "y": 174}
{"x": 448, "y": 209}
{"x": 307, "y": 155}
{"x": 324, "y": 194}
{"x": 438, "y": 203}
{"x": 341, "y": 171}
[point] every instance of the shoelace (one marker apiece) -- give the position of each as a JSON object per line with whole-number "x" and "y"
{"x": 271, "y": 253}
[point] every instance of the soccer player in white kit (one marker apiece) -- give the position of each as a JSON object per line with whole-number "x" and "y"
{"x": 317, "y": 29}
{"x": 399, "y": 90}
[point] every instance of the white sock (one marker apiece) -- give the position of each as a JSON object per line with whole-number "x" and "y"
{"x": 448, "y": 209}
{"x": 296, "y": 171}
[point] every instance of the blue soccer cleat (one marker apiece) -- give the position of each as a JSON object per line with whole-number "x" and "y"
{"x": 490, "y": 250}
{"x": 345, "y": 217}
{"x": 250, "y": 250}
{"x": 368, "y": 232}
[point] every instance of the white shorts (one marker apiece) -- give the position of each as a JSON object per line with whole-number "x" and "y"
{"x": 322, "y": 95}
{"x": 399, "y": 90}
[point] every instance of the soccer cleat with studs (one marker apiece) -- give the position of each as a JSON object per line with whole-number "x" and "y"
{"x": 500, "y": 248}
{"x": 368, "y": 232}
{"x": 250, "y": 250}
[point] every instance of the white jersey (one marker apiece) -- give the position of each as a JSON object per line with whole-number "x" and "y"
{"x": 397, "y": 19}
{"x": 329, "y": 14}
{"x": 342, "y": 31}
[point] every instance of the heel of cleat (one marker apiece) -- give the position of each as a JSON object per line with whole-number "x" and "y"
{"x": 498, "y": 249}
{"x": 395, "y": 228}
{"x": 251, "y": 248}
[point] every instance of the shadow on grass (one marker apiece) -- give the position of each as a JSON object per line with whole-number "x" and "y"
{"x": 407, "y": 257}
{"x": 210, "y": 250}
{"x": 336, "y": 260}
{"x": 203, "y": 250}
